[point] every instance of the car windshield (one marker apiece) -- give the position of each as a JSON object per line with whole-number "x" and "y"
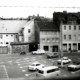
{"x": 52, "y": 70}
{"x": 35, "y": 64}
{"x": 65, "y": 58}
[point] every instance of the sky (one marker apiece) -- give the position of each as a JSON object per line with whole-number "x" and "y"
{"x": 25, "y": 8}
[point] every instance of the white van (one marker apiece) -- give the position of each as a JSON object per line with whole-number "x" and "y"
{"x": 49, "y": 72}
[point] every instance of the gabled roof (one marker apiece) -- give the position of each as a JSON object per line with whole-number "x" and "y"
{"x": 11, "y": 26}
{"x": 47, "y": 26}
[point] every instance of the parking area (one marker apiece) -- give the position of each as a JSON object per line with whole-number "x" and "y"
{"x": 15, "y": 67}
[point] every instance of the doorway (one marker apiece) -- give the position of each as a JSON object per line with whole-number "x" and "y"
{"x": 54, "y": 48}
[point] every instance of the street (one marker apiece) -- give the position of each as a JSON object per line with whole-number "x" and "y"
{"x": 15, "y": 67}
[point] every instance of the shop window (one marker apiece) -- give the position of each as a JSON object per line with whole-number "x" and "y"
{"x": 46, "y": 48}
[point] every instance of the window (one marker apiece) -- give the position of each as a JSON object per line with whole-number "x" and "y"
{"x": 79, "y": 27}
{"x": 74, "y": 36}
{"x": 64, "y": 36}
{"x": 1, "y": 42}
{"x": 11, "y": 35}
{"x": 0, "y": 36}
{"x": 6, "y": 35}
{"x": 53, "y": 39}
{"x": 69, "y": 27}
{"x": 43, "y": 39}
{"x": 48, "y": 40}
{"x": 6, "y": 42}
{"x": 46, "y": 48}
{"x": 52, "y": 70}
{"x": 64, "y": 27}
{"x": 29, "y": 30}
{"x": 69, "y": 36}
{"x": 74, "y": 27}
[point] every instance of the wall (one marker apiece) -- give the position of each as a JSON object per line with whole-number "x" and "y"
{"x": 19, "y": 48}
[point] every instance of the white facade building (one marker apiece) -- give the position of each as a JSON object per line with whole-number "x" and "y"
{"x": 29, "y": 32}
{"x": 70, "y": 37}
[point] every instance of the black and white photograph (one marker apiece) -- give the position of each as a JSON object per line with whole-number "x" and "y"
{"x": 39, "y": 39}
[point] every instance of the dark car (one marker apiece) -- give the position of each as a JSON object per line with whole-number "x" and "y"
{"x": 22, "y": 53}
{"x": 74, "y": 66}
{"x": 52, "y": 55}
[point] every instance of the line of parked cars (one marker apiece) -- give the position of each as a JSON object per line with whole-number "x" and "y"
{"x": 52, "y": 71}
{"x": 39, "y": 51}
{"x": 43, "y": 71}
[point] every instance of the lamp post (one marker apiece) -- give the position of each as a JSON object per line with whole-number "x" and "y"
{"x": 61, "y": 36}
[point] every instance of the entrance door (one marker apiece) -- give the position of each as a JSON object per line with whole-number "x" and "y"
{"x": 78, "y": 46}
{"x": 55, "y": 49}
{"x": 69, "y": 47}
{"x": 33, "y": 47}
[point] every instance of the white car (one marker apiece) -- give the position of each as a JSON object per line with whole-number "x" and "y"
{"x": 48, "y": 72}
{"x": 64, "y": 60}
{"x": 35, "y": 66}
{"x": 74, "y": 67}
{"x": 39, "y": 51}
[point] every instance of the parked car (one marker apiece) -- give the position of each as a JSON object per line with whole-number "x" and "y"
{"x": 48, "y": 72}
{"x": 74, "y": 66}
{"x": 52, "y": 55}
{"x": 64, "y": 60}
{"x": 35, "y": 66}
{"x": 22, "y": 53}
{"x": 39, "y": 51}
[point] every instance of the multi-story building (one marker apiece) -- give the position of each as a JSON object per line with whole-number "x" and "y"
{"x": 69, "y": 24}
{"x": 49, "y": 36}
{"x": 70, "y": 36}
{"x": 15, "y": 33}
{"x": 9, "y": 33}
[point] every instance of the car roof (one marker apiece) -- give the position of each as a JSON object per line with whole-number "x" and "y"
{"x": 36, "y": 63}
{"x": 48, "y": 68}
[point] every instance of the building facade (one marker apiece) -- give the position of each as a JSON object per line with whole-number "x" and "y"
{"x": 49, "y": 36}
{"x": 17, "y": 35}
{"x": 70, "y": 37}
{"x": 69, "y": 25}
{"x": 49, "y": 41}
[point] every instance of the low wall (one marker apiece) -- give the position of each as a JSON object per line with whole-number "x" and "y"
{"x": 19, "y": 48}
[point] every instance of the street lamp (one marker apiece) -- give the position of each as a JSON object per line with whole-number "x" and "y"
{"x": 61, "y": 40}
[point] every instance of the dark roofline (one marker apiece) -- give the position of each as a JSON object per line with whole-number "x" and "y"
{"x": 8, "y": 33}
{"x": 23, "y": 43}
{"x": 48, "y": 30}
